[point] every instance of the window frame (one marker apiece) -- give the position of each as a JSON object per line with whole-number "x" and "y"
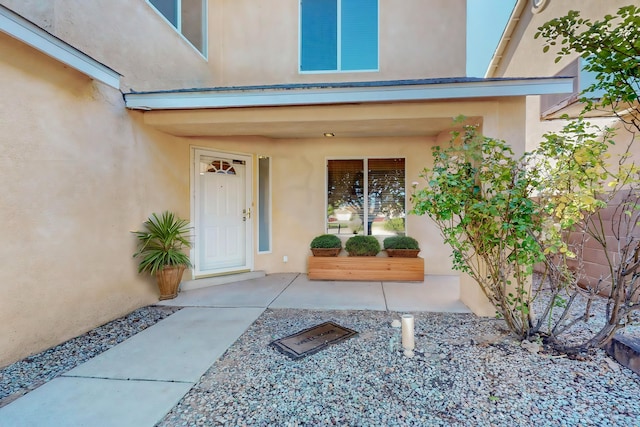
{"x": 178, "y": 29}
{"x": 265, "y": 206}
{"x": 339, "y": 44}
{"x": 365, "y": 206}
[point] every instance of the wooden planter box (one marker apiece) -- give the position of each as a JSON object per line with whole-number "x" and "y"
{"x": 403, "y": 253}
{"x": 366, "y": 268}
{"x": 325, "y": 251}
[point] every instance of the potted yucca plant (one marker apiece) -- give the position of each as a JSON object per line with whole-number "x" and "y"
{"x": 160, "y": 249}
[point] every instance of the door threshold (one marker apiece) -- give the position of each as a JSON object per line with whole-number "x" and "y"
{"x": 205, "y": 282}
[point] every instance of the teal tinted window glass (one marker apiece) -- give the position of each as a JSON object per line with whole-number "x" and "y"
{"x": 264, "y": 204}
{"x": 168, "y": 8}
{"x": 359, "y": 43}
{"x": 188, "y": 17}
{"x": 319, "y": 35}
{"x": 586, "y": 79}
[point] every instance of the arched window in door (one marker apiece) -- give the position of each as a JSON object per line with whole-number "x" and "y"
{"x": 221, "y": 166}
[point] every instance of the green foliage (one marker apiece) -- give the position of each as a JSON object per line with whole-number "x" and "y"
{"x": 589, "y": 179}
{"x": 400, "y": 242}
{"x": 480, "y": 198}
{"x": 326, "y": 241}
{"x": 503, "y": 214}
{"x": 161, "y": 243}
{"x": 610, "y": 47}
{"x": 394, "y": 224}
{"x": 570, "y": 174}
{"x": 362, "y": 246}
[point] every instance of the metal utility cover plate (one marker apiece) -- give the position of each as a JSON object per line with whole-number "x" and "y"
{"x": 312, "y": 340}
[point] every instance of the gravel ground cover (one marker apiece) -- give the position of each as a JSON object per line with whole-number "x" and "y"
{"x": 33, "y": 371}
{"x": 466, "y": 371}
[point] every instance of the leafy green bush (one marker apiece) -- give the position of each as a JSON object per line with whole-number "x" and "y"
{"x": 400, "y": 242}
{"x": 326, "y": 241}
{"x": 362, "y": 246}
{"x": 394, "y": 224}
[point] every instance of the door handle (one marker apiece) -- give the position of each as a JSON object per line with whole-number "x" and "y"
{"x": 246, "y": 213}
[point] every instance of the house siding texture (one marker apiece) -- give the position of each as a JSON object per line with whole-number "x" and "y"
{"x": 80, "y": 171}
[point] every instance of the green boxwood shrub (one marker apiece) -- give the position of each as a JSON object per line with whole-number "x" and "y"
{"x": 400, "y": 242}
{"x": 362, "y": 246}
{"x": 394, "y": 224}
{"x": 326, "y": 241}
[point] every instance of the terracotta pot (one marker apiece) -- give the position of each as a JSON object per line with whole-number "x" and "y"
{"x": 325, "y": 251}
{"x": 403, "y": 253}
{"x": 169, "y": 279}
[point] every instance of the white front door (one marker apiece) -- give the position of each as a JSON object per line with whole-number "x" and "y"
{"x": 222, "y": 212}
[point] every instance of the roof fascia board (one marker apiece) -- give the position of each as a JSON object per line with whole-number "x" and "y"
{"x": 505, "y": 39}
{"x": 263, "y": 98}
{"x": 27, "y": 32}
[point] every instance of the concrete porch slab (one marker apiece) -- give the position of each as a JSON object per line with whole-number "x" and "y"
{"x": 179, "y": 348}
{"x": 331, "y": 295}
{"x": 72, "y": 402}
{"x": 257, "y": 292}
{"x": 435, "y": 294}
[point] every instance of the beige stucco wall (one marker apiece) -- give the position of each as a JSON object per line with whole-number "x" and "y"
{"x": 249, "y": 44}
{"x": 78, "y": 172}
{"x": 299, "y": 181}
{"x": 257, "y": 42}
{"x": 128, "y": 36}
{"x": 524, "y": 56}
{"x": 299, "y": 191}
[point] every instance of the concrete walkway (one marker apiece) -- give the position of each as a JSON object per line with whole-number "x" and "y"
{"x": 137, "y": 382}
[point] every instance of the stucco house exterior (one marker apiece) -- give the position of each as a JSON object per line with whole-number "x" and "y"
{"x": 263, "y": 129}
{"x": 520, "y": 54}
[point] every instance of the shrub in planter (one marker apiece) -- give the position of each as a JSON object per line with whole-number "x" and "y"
{"x": 326, "y": 245}
{"x": 401, "y": 246}
{"x": 400, "y": 242}
{"x": 394, "y": 224}
{"x": 160, "y": 249}
{"x": 362, "y": 246}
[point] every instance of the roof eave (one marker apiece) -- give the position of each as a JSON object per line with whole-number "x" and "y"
{"x": 505, "y": 39}
{"x": 29, "y": 33}
{"x": 171, "y": 100}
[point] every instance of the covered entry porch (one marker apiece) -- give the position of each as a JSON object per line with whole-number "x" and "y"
{"x": 297, "y": 130}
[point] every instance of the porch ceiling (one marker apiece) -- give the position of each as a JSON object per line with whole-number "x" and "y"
{"x": 344, "y": 121}
{"x": 353, "y": 109}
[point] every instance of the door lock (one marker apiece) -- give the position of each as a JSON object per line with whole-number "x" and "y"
{"x": 246, "y": 213}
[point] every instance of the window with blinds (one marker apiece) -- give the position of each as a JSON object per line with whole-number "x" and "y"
{"x": 338, "y": 35}
{"x": 366, "y": 196}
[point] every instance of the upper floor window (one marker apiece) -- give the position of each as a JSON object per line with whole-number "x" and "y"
{"x": 553, "y": 106}
{"x": 188, "y": 17}
{"x": 338, "y": 35}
